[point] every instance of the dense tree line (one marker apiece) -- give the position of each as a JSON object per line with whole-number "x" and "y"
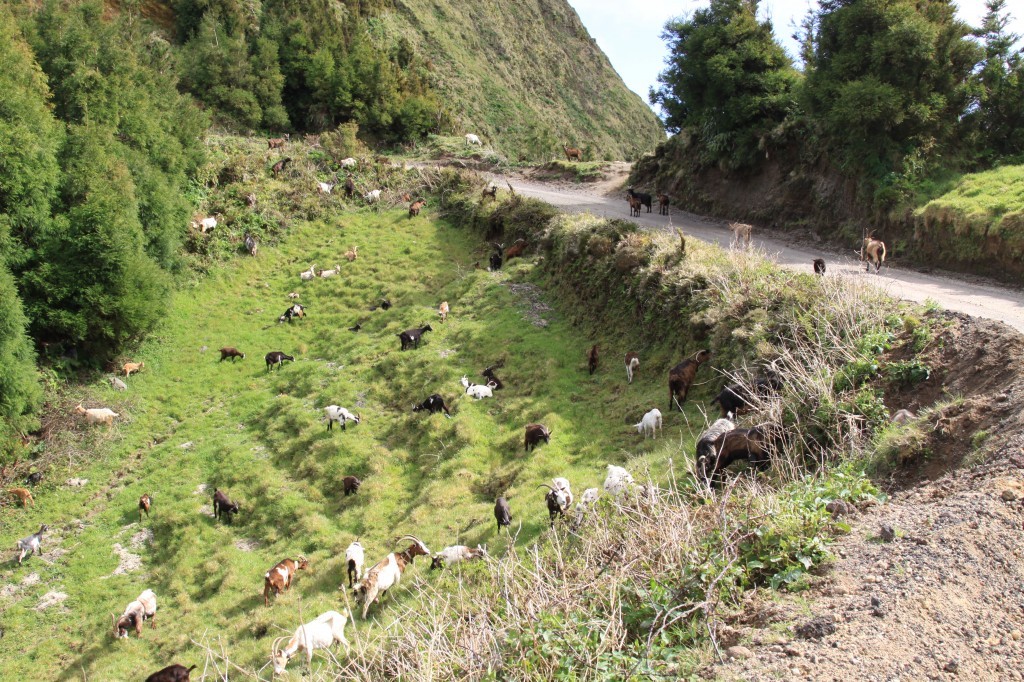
{"x": 888, "y": 89}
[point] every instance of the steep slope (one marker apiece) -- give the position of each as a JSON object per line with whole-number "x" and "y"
{"x": 527, "y": 77}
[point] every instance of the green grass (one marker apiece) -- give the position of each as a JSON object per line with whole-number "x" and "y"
{"x": 260, "y": 436}
{"x": 991, "y": 202}
{"x": 581, "y": 171}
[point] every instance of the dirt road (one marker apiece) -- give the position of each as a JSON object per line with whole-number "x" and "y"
{"x": 979, "y": 300}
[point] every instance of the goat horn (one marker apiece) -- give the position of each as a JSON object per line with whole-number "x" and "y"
{"x": 411, "y": 537}
{"x": 545, "y": 485}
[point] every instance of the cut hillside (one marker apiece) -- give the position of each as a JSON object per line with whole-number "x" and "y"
{"x": 527, "y": 78}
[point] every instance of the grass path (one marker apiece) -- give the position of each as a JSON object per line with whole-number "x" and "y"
{"x": 190, "y": 421}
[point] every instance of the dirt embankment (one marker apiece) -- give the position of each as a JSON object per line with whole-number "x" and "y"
{"x": 930, "y": 584}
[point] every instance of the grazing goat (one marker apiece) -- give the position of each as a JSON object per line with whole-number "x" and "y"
{"x": 663, "y": 204}
{"x": 145, "y": 504}
{"x": 280, "y": 165}
{"x": 222, "y": 506}
{"x": 97, "y": 415}
{"x": 351, "y": 485}
{"x": 634, "y": 205}
{"x": 456, "y": 554}
{"x": 350, "y": 187}
{"x": 873, "y": 251}
{"x": 681, "y": 377}
{"x": 276, "y": 357}
{"x": 387, "y": 572}
{"x": 650, "y": 424}
{"x": 294, "y": 310}
{"x": 278, "y": 142}
{"x": 385, "y": 304}
{"x": 516, "y": 250}
{"x": 324, "y": 274}
{"x": 293, "y": 295}
{"x": 632, "y": 363}
{"x": 279, "y": 578}
{"x": 130, "y": 367}
{"x": 372, "y": 197}
{"x": 321, "y": 633}
{"x": 348, "y": 163}
{"x": 172, "y": 673}
{"x": 535, "y": 433}
{"x": 355, "y": 562}
{"x": 618, "y": 481}
{"x": 33, "y": 543}
{"x": 572, "y": 153}
{"x": 473, "y": 139}
{"x": 325, "y": 187}
{"x": 433, "y": 405}
{"x": 415, "y": 207}
{"x": 502, "y": 513}
{"x": 411, "y": 337}
{"x": 308, "y": 274}
{"x": 902, "y": 417}
{"x": 23, "y": 495}
{"x": 117, "y": 384}
{"x": 714, "y": 454}
{"x": 740, "y": 233}
{"x": 34, "y": 478}
{"x": 352, "y": 253}
{"x": 134, "y": 614}
{"x": 206, "y": 224}
{"x": 819, "y": 266}
{"x": 707, "y": 442}
{"x": 494, "y": 263}
{"x": 252, "y": 245}
{"x": 586, "y": 502}
{"x": 559, "y": 498}
{"x": 492, "y": 378}
{"x": 735, "y": 397}
{"x": 592, "y": 358}
{"x": 645, "y": 199}
{"x": 477, "y": 391}
{"x": 443, "y": 311}
{"x": 230, "y": 352}
{"x": 341, "y": 415}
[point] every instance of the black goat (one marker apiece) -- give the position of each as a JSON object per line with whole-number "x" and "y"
{"x": 280, "y": 165}
{"x": 411, "y": 337}
{"x": 276, "y": 357}
{"x": 491, "y": 377}
{"x": 535, "y": 433}
{"x": 819, "y": 266}
{"x": 502, "y": 513}
{"x": 351, "y": 484}
{"x": 736, "y": 397}
{"x": 172, "y": 673}
{"x": 726, "y": 448}
{"x": 645, "y": 199}
{"x": 34, "y": 478}
{"x": 222, "y": 505}
{"x": 433, "y": 405}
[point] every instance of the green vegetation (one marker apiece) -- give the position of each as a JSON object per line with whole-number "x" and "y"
{"x": 577, "y": 171}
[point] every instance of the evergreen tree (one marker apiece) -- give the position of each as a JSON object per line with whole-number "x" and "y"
{"x": 1000, "y": 81}
{"x": 20, "y": 391}
{"x": 728, "y": 81}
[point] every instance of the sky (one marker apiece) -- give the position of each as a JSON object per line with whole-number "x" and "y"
{"x": 630, "y": 32}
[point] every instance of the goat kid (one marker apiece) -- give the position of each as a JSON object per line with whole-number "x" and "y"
{"x": 351, "y": 484}
{"x": 502, "y": 513}
{"x": 341, "y": 415}
{"x": 97, "y": 415}
{"x": 478, "y": 391}
{"x": 433, "y": 405}
{"x": 645, "y": 199}
{"x": 456, "y": 554}
{"x": 33, "y": 543}
{"x": 279, "y": 578}
{"x": 443, "y": 311}
{"x": 222, "y": 506}
{"x": 24, "y": 496}
{"x": 355, "y": 562}
{"x": 145, "y": 504}
{"x": 130, "y": 367}
{"x": 632, "y": 364}
{"x": 740, "y": 235}
{"x": 230, "y": 352}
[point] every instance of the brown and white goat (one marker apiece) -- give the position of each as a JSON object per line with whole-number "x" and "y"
{"x": 873, "y": 251}
{"x": 145, "y": 503}
{"x": 632, "y": 363}
{"x": 278, "y": 142}
{"x": 279, "y": 578}
{"x": 387, "y": 572}
{"x": 144, "y": 607}
{"x": 681, "y": 377}
{"x": 443, "y": 310}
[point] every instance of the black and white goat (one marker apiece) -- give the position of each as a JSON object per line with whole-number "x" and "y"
{"x": 478, "y": 391}
{"x": 433, "y": 405}
{"x": 341, "y": 415}
{"x": 411, "y": 337}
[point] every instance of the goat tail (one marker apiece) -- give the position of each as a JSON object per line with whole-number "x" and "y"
{"x": 882, "y": 255}
{"x": 192, "y": 667}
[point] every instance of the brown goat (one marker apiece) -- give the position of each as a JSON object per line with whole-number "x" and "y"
{"x": 443, "y": 310}
{"x": 351, "y": 484}
{"x": 414, "y": 208}
{"x": 571, "y": 153}
{"x": 24, "y": 496}
{"x": 351, "y": 254}
{"x": 280, "y": 165}
{"x": 663, "y": 204}
{"x": 634, "y": 205}
{"x": 350, "y": 187}
{"x": 490, "y": 192}
{"x": 873, "y": 251}
{"x": 130, "y": 367}
{"x": 145, "y": 502}
{"x": 592, "y": 358}
{"x": 751, "y": 444}
{"x": 681, "y": 377}
{"x": 516, "y": 250}
{"x": 740, "y": 234}
{"x": 230, "y": 352}
{"x": 278, "y": 142}
{"x": 535, "y": 433}
{"x": 172, "y": 673}
{"x": 279, "y": 578}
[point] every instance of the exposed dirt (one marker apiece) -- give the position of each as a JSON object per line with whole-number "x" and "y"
{"x": 944, "y": 597}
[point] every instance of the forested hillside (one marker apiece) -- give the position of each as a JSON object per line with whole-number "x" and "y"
{"x": 893, "y": 104}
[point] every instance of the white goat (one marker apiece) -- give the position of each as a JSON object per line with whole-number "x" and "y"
{"x": 33, "y": 543}
{"x": 118, "y": 385}
{"x": 586, "y": 502}
{"x": 348, "y": 163}
{"x": 325, "y": 187}
{"x": 308, "y": 274}
{"x": 98, "y": 415}
{"x": 473, "y": 139}
{"x": 341, "y": 415}
{"x": 478, "y": 391}
{"x": 355, "y": 562}
{"x": 650, "y": 424}
{"x": 617, "y": 481}
{"x": 632, "y": 364}
{"x": 330, "y": 273}
{"x": 456, "y": 554}
{"x": 206, "y": 224}
{"x": 135, "y": 614}
{"x": 372, "y": 197}
{"x": 321, "y": 633}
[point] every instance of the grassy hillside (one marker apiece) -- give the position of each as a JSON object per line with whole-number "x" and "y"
{"x": 527, "y": 78}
